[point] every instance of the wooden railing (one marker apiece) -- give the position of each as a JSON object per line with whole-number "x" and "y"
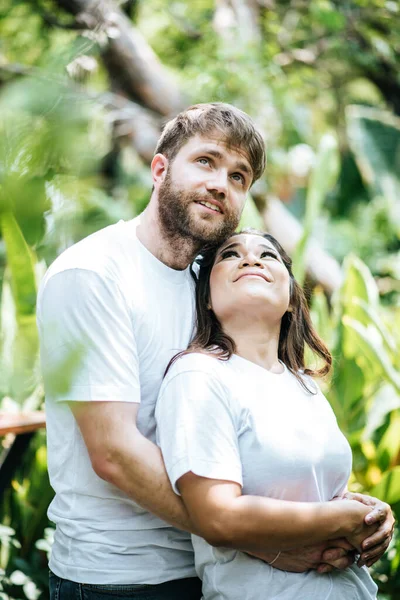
{"x": 21, "y": 427}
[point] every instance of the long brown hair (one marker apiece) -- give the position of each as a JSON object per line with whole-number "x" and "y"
{"x": 296, "y": 331}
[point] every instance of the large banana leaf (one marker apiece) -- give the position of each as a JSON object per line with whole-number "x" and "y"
{"x": 388, "y": 489}
{"x": 358, "y": 283}
{"x": 374, "y": 137}
{"x": 389, "y": 446}
{"x": 365, "y": 345}
{"x": 322, "y": 179}
{"x": 21, "y": 264}
{"x": 19, "y": 336}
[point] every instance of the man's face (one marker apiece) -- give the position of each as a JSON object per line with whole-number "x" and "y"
{"x": 204, "y": 191}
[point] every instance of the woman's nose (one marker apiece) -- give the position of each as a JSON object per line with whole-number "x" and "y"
{"x": 251, "y": 261}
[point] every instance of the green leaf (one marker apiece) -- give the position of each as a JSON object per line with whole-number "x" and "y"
{"x": 322, "y": 179}
{"x": 384, "y": 402}
{"x": 21, "y": 263}
{"x": 388, "y": 489}
{"x": 7, "y": 336}
{"x": 349, "y": 387}
{"x": 60, "y": 373}
{"x": 389, "y": 446}
{"x": 321, "y": 317}
{"x": 251, "y": 216}
{"x": 358, "y": 283}
{"x": 374, "y": 137}
{"x": 365, "y": 345}
{"x": 372, "y": 316}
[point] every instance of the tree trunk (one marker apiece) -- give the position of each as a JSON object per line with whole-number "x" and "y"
{"x": 132, "y": 65}
{"x": 136, "y": 72}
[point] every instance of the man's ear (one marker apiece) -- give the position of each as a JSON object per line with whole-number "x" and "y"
{"x": 159, "y": 168}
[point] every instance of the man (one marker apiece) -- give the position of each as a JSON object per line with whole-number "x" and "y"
{"x": 118, "y": 305}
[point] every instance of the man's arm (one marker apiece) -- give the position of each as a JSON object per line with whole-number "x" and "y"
{"x": 121, "y": 455}
{"x": 83, "y": 313}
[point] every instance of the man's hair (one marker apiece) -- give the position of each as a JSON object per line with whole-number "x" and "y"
{"x": 236, "y": 127}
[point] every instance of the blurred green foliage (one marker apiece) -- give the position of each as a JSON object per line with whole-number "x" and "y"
{"x": 321, "y": 79}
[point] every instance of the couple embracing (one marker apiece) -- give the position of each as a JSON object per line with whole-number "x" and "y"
{"x": 193, "y": 454}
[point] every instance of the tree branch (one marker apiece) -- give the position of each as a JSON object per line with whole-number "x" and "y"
{"x": 133, "y": 123}
{"x": 132, "y": 65}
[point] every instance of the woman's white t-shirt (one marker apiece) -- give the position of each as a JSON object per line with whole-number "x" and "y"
{"x": 235, "y": 421}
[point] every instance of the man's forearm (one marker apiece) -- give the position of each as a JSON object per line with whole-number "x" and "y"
{"x": 121, "y": 455}
{"x": 139, "y": 471}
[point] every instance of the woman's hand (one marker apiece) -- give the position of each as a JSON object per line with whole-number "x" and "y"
{"x": 323, "y": 557}
{"x": 359, "y": 530}
{"x": 375, "y": 545}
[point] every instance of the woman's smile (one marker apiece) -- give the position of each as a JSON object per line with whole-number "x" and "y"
{"x": 259, "y": 274}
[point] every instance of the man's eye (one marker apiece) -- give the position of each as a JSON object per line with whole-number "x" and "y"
{"x": 229, "y": 253}
{"x": 203, "y": 161}
{"x": 238, "y": 177}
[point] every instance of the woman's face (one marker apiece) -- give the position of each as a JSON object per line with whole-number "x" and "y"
{"x": 248, "y": 273}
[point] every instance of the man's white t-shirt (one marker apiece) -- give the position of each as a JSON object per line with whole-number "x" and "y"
{"x": 110, "y": 317}
{"x": 235, "y": 421}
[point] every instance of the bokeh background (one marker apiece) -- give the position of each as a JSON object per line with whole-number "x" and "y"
{"x": 85, "y": 87}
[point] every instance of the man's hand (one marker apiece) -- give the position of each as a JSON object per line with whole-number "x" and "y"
{"x": 374, "y": 546}
{"x": 322, "y": 557}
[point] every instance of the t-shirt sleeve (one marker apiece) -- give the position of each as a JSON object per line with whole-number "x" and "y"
{"x": 87, "y": 344}
{"x": 197, "y": 424}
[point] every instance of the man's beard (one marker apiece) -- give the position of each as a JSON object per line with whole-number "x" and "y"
{"x": 177, "y": 221}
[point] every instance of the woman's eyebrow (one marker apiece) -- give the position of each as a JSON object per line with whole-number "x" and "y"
{"x": 233, "y": 245}
{"x": 269, "y": 248}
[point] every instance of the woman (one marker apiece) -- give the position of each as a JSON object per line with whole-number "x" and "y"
{"x": 248, "y": 439}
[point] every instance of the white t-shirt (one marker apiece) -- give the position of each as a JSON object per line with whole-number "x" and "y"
{"x": 110, "y": 316}
{"x": 235, "y": 421}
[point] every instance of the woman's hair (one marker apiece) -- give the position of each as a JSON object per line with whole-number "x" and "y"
{"x": 296, "y": 331}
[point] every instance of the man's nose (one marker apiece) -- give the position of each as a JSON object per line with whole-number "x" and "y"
{"x": 218, "y": 183}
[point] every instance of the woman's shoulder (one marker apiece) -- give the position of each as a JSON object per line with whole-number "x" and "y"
{"x": 202, "y": 362}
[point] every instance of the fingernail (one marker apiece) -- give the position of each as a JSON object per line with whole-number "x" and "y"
{"x": 323, "y": 570}
{"x": 329, "y": 556}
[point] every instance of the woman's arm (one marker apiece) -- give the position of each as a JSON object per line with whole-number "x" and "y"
{"x": 256, "y": 524}
{"x": 197, "y": 427}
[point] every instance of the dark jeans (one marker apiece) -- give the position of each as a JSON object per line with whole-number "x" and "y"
{"x": 179, "y": 589}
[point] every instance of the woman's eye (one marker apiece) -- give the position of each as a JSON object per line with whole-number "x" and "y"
{"x": 229, "y": 253}
{"x": 203, "y": 161}
{"x": 267, "y": 253}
